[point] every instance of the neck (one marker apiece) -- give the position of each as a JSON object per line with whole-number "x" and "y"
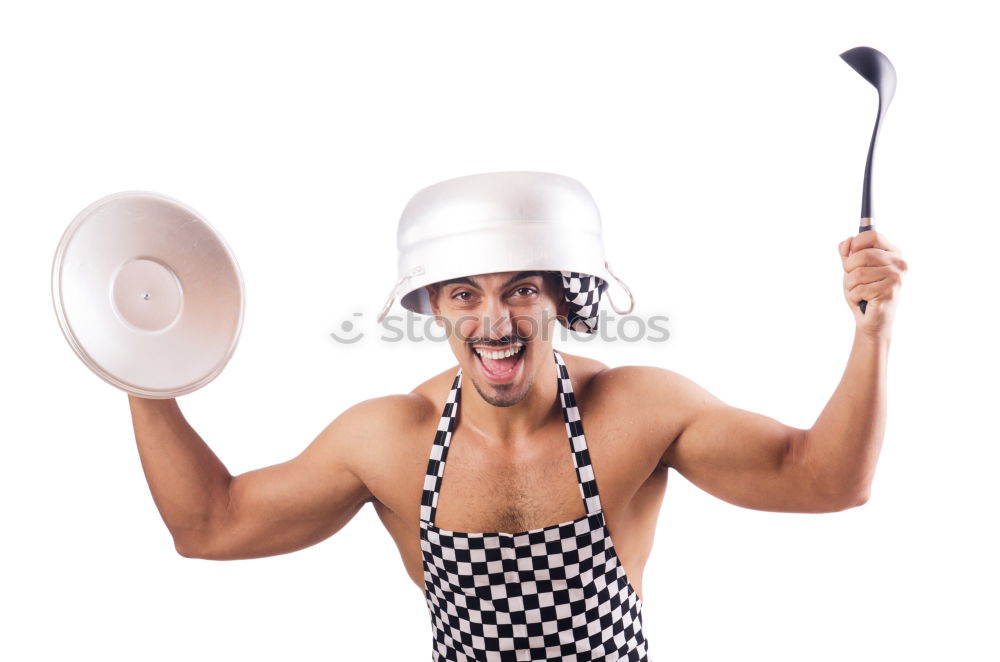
{"x": 520, "y": 422}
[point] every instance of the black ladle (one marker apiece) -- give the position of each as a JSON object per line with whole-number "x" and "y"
{"x": 875, "y": 68}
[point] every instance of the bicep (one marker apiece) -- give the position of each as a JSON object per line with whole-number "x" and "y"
{"x": 741, "y": 457}
{"x": 298, "y": 503}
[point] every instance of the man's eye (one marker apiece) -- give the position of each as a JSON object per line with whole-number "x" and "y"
{"x": 458, "y": 295}
{"x": 525, "y": 290}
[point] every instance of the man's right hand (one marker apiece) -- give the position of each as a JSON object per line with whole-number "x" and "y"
{"x": 274, "y": 510}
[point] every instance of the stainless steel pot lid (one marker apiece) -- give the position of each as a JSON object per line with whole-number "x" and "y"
{"x": 148, "y": 294}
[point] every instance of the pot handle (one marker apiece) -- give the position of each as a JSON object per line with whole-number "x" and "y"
{"x": 631, "y": 305}
{"x": 415, "y": 271}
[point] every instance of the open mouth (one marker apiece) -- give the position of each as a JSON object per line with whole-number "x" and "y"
{"x": 500, "y": 363}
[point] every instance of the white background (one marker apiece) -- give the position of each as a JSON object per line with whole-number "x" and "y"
{"x": 724, "y": 144}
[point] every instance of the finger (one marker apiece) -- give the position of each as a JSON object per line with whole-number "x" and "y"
{"x": 868, "y": 291}
{"x": 883, "y": 290}
{"x": 865, "y": 275}
{"x": 843, "y": 248}
{"x": 870, "y": 239}
{"x": 870, "y": 257}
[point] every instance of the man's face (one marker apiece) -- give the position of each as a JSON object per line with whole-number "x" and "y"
{"x": 489, "y": 316}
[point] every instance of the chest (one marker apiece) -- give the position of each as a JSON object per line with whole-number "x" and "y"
{"x": 488, "y": 488}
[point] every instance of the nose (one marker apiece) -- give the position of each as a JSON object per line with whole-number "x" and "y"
{"x": 495, "y": 322}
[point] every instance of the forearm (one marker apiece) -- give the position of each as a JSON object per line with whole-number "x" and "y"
{"x": 189, "y": 484}
{"x": 843, "y": 445}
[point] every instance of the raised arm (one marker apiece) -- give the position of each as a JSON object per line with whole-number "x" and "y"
{"x": 757, "y": 462}
{"x": 754, "y": 461}
{"x": 277, "y": 509}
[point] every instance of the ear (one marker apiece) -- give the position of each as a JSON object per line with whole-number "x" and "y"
{"x": 558, "y": 293}
{"x": 563, "y": 308}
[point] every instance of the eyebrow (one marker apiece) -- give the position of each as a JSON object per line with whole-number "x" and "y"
{"x": 468, "y": 281}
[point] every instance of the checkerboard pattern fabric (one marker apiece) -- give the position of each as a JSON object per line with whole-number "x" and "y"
{"x": 554, "y": 593}
{"x": 583, "y": 294}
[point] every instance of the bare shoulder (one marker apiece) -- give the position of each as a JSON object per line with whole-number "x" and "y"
{"x": 381, "y": 417}
{"x": 582, "y": 370}
{"x": 595, "y": 381}
{"x": 433, "y": 391}
{"x": 653, "y": 396}
{"x": 639, "y": 379}
{"x": 368, "y": 435}
{"x": 390, "y": 420}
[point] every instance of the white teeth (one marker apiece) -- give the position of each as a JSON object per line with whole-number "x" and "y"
{"x": 499, "y": 355}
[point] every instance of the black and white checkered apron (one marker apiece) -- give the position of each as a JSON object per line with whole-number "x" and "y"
{"x": 554, "y": 593}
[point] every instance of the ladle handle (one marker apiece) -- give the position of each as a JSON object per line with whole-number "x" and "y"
{"x": 864, "y": 228}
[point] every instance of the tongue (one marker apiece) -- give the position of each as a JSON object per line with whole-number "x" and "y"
{"x": 500, "y": 366}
